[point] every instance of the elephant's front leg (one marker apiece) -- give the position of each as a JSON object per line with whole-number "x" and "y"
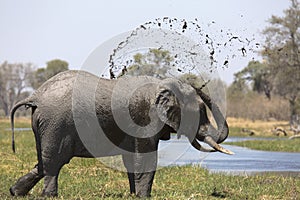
{"x": 141, "y": 169}
{"x": 143, "y": 183}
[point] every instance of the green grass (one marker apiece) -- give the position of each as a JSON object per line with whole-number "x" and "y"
{"x": 90, "y": 179}
{"x": 263, "y": 129}
{"x": 273, "y": 145}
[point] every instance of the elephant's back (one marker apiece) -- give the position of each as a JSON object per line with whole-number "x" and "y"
{"x": 56, "y": 95}
{"x": 86, "y": 93}
{"x": 56, "y": 87}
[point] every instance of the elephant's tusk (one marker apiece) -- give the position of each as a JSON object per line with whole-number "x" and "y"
{"x": 208, "y": 140}
{"x": 197, "y": 146}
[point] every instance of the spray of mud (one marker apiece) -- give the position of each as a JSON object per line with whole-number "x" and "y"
{"x": 196, "y": 48}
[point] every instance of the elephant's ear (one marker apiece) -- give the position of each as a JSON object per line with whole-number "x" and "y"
{"x": 168, "y": 108}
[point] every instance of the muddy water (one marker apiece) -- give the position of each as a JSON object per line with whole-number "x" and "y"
{"x": 244, "y": 162}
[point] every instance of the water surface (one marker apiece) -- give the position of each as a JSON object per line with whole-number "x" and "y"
{"x": 245, "y": 161}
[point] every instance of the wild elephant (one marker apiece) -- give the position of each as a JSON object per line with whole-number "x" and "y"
{"x": 78, "y": 114}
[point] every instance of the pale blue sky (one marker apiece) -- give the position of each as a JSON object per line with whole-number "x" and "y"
{"x": 38, "y": 31}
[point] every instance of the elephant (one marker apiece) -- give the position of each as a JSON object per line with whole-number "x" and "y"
{"x": 78, "y": 114}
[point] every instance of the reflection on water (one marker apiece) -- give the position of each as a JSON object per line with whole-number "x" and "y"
{"x": 245, "y": 161}
{"x": 241, "y": 139}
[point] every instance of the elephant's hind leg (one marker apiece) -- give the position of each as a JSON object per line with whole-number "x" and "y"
{"x": 26, "y": 183}
{"x": 52, "y": 168}
{"x": 54, "y": 157}
{"x": 50, "y": 186}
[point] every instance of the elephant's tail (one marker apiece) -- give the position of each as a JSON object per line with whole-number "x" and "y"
{"x": 28, "y": 104}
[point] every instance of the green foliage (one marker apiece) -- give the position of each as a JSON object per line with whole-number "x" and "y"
{"x": 56, "y": 66}
{"x": 257, "y": 74}
{"x": 160, "y": 56}
{"x": 192, "y": 79}
{"x": 155, "y": 63}
{"x": 138, "y": 58}
{"x": 237, "y": 88}
{"x": 53, "y": 68}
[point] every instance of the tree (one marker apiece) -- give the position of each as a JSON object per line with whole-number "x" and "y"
{"x": 14, "y": 79}
{"x": 256, "y": 74}
{"x": 53, "y": 68}
{"x": 281, "y": 51}
{"x": 155, "y": 63}
{"x": 246, "y": 95}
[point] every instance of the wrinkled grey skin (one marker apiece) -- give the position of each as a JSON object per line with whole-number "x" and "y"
{"x": 57, "y": 138}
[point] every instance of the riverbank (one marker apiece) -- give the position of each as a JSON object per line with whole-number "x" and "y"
{"x": 282, "y": 145}
{"x": 255, "y": 130}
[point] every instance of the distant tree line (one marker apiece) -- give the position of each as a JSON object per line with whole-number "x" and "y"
{"x": 279, "y": 73}
{"x": 18, "y": 80}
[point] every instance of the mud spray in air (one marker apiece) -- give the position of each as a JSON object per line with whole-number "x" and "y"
{"x": 195, "y": 48}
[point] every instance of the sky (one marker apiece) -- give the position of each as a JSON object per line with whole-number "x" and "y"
{"x": 39, "y": 31}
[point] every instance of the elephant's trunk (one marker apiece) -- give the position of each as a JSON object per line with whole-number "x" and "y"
{"x": 222, "y": 131}
{"x": 212, "y": 136}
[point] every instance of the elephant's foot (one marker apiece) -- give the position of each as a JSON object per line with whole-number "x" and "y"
{"x": 25, "y": 183}
{"x": 49, "y": 194}
{"x": 15, "y": 191}
{"x": 143, "y": 194}
{"x": 50, "y": 186}
{"x": 143, "y": 183}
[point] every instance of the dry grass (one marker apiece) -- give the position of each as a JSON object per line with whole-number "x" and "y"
{"x": 260, "y": 127}
{"x": 26, "y": 120}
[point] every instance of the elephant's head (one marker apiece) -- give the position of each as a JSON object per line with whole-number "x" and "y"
{"x": 182, "y": 107}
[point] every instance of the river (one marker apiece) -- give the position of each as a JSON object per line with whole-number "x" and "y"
{"x": 244, "y": 162}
